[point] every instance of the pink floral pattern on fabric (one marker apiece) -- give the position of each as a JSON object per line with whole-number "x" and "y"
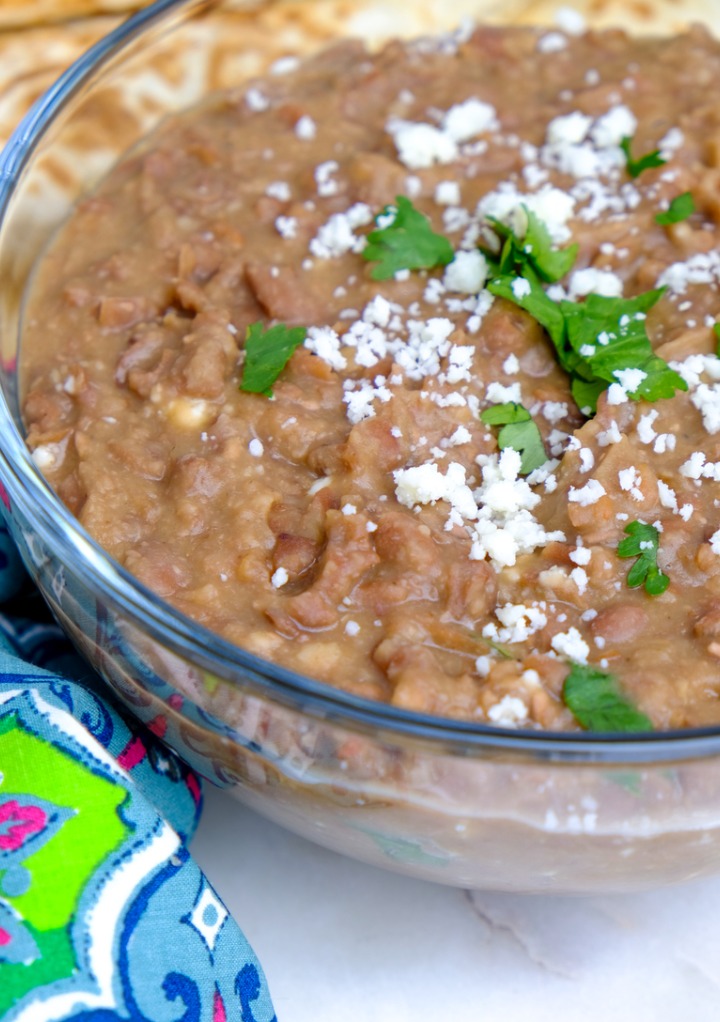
{"x": 19, "y": 822}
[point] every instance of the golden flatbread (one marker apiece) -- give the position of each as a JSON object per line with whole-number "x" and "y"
{"x": 18, "y": 13}
{"x": 244, "y": 41}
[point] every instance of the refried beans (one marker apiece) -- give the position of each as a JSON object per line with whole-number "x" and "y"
{"x": 486, "y": 483}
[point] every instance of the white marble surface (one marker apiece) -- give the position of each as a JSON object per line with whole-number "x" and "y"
{"x": 345, "y": 942}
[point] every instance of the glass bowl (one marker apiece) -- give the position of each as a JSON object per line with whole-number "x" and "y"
{"x": 444, "y": 800}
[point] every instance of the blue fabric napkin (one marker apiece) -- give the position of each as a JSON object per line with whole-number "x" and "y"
{"x": 104, "y": 916}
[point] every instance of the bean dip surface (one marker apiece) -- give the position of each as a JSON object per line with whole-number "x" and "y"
{"x": 370, "y": 524}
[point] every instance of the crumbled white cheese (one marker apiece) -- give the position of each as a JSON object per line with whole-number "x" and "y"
{"x": 645, "y": 431}
{"x": 552, "y": 42}
{"x": 467, "y": 272}
{"x": 279, "y": 578}
{"x": 461, "y": 436}
{"x": 324, "y": 180}
{"x": 707, "y": 401}
{"x": 551, "y": 205}
{"x": 335, "y": 237}
{"x": 255, "y": 447}
{"x": 509, "y": 712}
{"x": 305, "y": 128}
{"x": 482, "y": 666}
{"x": 611, "y": 128}
{"x": 505, "y": 526}
{"x": 572, "y": 645}
{"x": 629, "y": 379}
{"x": 581, "y": 555}
{"x": 325, "y": 343}
{"x": 700, "y": 268}
{"x": 520, "y": 287}
{"x": 447, "y": 193}
{"x": 598, "y": 282}
{"x": 256, "y": 100}
{"x": 468, "y": 119}
{"x": 611, "y": 435}
{"x": 518, "y": 622}
{"x": 425, "y": 484}
{"x": 500, "y": 394}
{"x": 588, "y": 494}
{"x": 570, "y": 128}
{"x": 279, "y": 190}
{"x": 580, "y": 578}
{"x": 554, "y": 411}
{"x": 421, "y": 145}
{"x": 286, "y": 226}
{"x": 630, "y": 482}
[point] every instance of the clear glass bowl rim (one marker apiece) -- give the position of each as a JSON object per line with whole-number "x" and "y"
{"x": 108, "y": 581}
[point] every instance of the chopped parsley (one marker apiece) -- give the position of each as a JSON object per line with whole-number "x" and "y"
{"x": 519, "y": 431}
{"x": 681, "y": 207}
{"x": 597, "y": 339}
{"x": 595, "y": 700}
{"x": 642, "y": 541}
{"x": 406, "y": 242}
{"x": 267, "y": 352}
{"x": 646, "y": 162}
{"x": 531, "y": 255}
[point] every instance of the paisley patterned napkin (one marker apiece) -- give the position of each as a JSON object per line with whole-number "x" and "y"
{"x": 104, "y": 916}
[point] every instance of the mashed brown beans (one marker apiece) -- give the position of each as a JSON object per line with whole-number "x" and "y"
{"x": 361, "y": 525}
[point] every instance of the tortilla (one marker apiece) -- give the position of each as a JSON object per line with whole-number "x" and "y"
{"x": 244, "y": 41}
{"x": 20, "y": 13}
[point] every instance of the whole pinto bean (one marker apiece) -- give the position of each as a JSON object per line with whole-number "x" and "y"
{"x": 622, "y": 622}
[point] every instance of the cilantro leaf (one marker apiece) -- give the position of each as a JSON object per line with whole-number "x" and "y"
{"x": 519, "y": 432}
{"x": 531, "y": 254}
{"x": 586, "y": 393}
{"x": 681, "y": 207}
{"x": 407, "y": 243}
{"x": 536, "y": 302}
{"x": 716, "y": 331}
{"x": 642, "y": 541}
{"x": 595, "y": 700}
{"x": 267, "y": 352}
{"x": 646, "y": 162}
{"x": 609, "y": 335}
{"x": 596, "y": 339}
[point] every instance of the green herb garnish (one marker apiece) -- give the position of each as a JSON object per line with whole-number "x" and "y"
{"x": 716, "y": 331}
{"x": 608, "y": 335}
{"x": 408, "y": 242}
{"x": 519, "y": 431}
{"x": 646, "y": 162}
{"x": 595, "y": 700}
{"x": 681, "y": 207}
{"x": 642, "y": 542}
{"x": 267, "y": 352}
{"x": 596, "y": 339}
{"x": 530, "y": 255}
